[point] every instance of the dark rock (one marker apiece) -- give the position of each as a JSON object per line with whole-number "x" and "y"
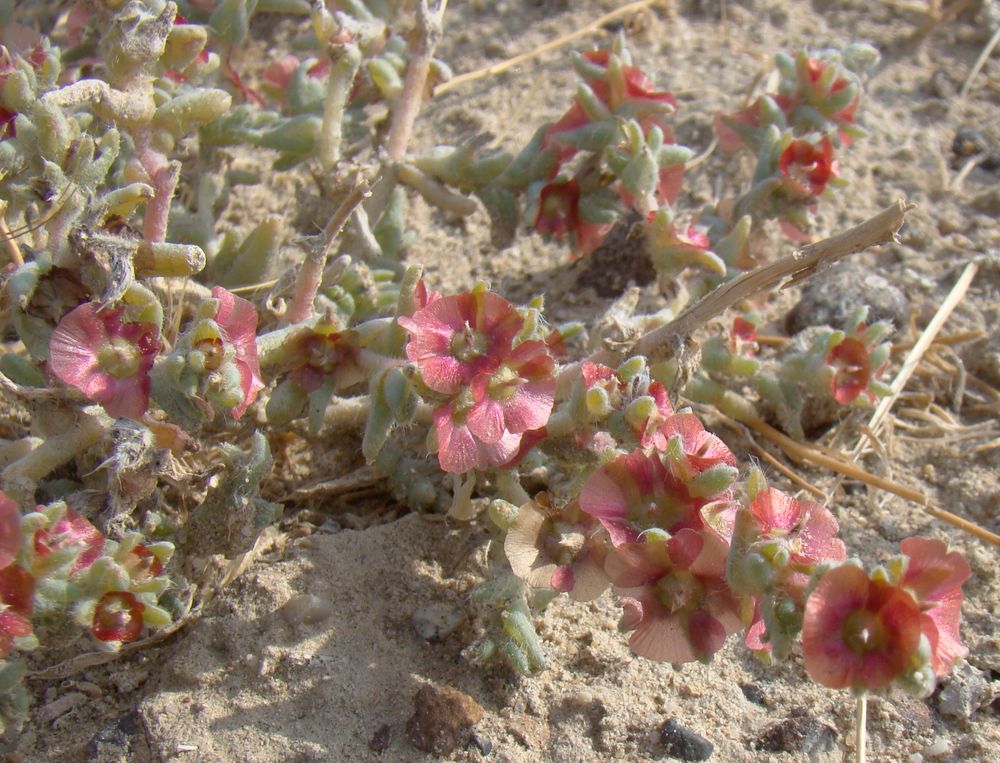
{"x": 802, "y": 734}
{"x": 968, "y": 142}
{"x": 753, "y": 693}
{"x": 681, "y": 742}
{"x": 123, "y": 741}
{"x": 831, "y": 297}
{"x": 381, "y": 739}
{"x": 481, "y": 743}
{"x": 441, "y": 719}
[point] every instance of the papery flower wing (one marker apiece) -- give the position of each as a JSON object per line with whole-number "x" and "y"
{"x": 238, "y": 319}
{"x": 10, "y": 530}
{"x": 530, "y": 405}
{"x": 73, "y": 350}
{"x": 457, "y": 451}
{"x": 17, "y": 589}
{"x": 941, "y": 626}
{"x": 933, "y": 572}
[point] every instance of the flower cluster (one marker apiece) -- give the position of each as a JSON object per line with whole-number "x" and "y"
{"x": 214, "y": 364}
{"x": 611, "y": 151}
{"x": 898, "y": 624}
{"x": 497, "y": 383}
{"x": 807, "y": 384}
{"x": 53, "y": 558}
{"x": 795, "y": 132}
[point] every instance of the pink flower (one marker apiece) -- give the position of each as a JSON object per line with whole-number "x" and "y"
{"x": 743, "y": 337}
{"x": 71, "y": 531}
{"x": 792, "y": 536}
{"x": 10, "y": 530}
{"x": 237, "y": 319}
{"x": 117, "y": 617}
{"x": 808, "y": 529}
{"x": 730, "y": 128}
{"x": 701, "y": 449}
{"x": 459, "y": 450}
{"x": 517, "y": 397}
{"x": 278, "y": 73}
{"x": 106, "y": 359}
{"x": 676, "y": 600}
{"x": 635, "y": 492}
{"x": 17, "y": 596}
{"x": 454, "y": 339}
{"x": 934, "y": 576}
{"x": 324, "y": 353}
{"x": 857, "y": 632}
{"x": 631, "y": 92}
{"x": 142, "y": 564}
{"x": 806, "y": 167}
{"x": 559, "y": 549}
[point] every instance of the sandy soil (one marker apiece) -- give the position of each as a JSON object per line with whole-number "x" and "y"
{"x": 333, "y": 677}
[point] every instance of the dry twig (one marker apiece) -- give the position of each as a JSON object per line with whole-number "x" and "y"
{"x": 799, "y": 265}
{"x": 592, "y": 27}
{"x": 808, "y": 453}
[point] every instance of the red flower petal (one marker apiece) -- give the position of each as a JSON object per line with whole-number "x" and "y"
{"x": 117, "y": 617}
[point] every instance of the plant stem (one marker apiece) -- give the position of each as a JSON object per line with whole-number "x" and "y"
{"x": 163, "y": 176}
{"x": 860, "y": 728}
{"x": 9, "y": 241}
{"x": 407, "y": 105}
{"x": 20, "y": 478}
{"x": 346, "y": 59}
{"x": 311, "y": 275}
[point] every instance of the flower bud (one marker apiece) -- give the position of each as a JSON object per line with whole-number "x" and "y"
{"x": 712, "y": 481}
{"x": 502, "y": 513}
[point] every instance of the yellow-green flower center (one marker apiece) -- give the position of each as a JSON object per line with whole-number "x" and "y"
{"x": 863, "y": 632}
{"x": 468, "y": 344}
{"x": 119, "y": 359}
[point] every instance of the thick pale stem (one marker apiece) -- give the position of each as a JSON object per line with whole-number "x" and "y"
{"x": 163, "y": 176}
{"x": 407, "y": 105}
{"x": 20, "y": 478}
{"x": 860, "y": 728}
{"x": 311, "y": 274}
{"x": 434, "y": 192}
{"x": 346, "y": 60}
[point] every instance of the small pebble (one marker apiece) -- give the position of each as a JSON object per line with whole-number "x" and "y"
{"x": 306, "y": 609}
{"x": 435, "y": 622}
{"x": 965, "y": 691}
{"x": 753, "y": 693}
{"x": 380, "y": 739}
{"x": 122, "y": 741}
{"x": 938, "y": 749}
{"x": 481, "y": 742}
{"x": 441, "y": 720}
{"x": 802, "y": 734}
{"x": 968, "y": 142}
{"x": 681, "y": 742}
